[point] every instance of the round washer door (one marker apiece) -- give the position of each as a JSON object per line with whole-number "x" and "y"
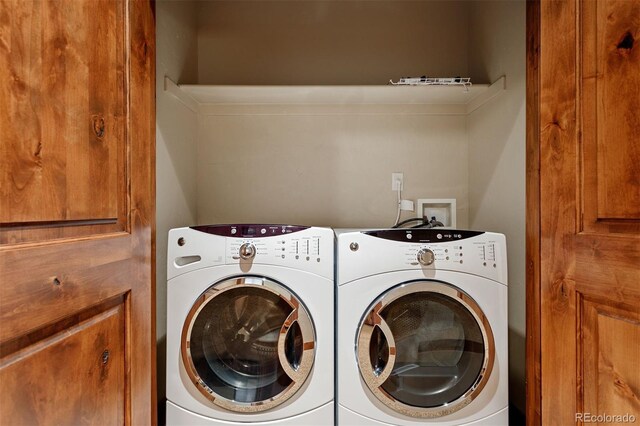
{"x": 425, "y": 349}
{"x": 248, "y": 344}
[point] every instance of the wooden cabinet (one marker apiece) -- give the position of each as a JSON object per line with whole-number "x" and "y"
{"x": 584, "y": 210}
{"x": 77, "y": 315}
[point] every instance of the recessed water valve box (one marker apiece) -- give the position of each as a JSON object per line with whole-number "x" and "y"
{"x": 444, "y": 210}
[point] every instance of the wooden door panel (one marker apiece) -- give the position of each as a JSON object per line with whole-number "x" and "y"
{"x": 608, "y": 268}
{"x": 610, "y": 355}
{"x": 584, "y": 196}
{"x": 610, "y": 75}
{"x": 77, "y": 228}
{"x": 93, "y": 271}
{"x": 63, "y": 79}
{"x": 75, "y": 377}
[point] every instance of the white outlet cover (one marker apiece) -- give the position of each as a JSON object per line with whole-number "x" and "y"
{"x": 444, "y": 209}
{"x": 395, "y": 177}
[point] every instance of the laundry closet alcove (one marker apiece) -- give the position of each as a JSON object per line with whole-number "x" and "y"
{"x": 281, "y": 112}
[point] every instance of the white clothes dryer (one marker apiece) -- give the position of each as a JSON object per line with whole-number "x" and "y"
{"x": 250, "y": 317}
{"x": 422, "y": 327}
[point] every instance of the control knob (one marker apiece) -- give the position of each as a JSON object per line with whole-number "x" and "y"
{"x": 247, "y": 251}
{"x": 426, "y": 257}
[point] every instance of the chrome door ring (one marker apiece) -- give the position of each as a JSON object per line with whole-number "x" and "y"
{"x": 298, "y": 314}
{"x": 372, "y": 319}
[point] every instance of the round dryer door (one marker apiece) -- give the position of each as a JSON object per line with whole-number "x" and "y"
{"x": 248, "y": 344}
{"x": 425, "y": 349}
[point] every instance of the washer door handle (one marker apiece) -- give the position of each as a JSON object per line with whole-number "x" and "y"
{"x": 373, "y": 378}
{"x": 299, "y": 372}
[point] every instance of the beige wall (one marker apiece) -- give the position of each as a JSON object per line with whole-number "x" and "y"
{"x": 330, "y": 169}
{"x": 175, "y": 146}
{"x": 497, "y": 156}
{"x": 330, "y": 42}
{"x": 333, "y": 168}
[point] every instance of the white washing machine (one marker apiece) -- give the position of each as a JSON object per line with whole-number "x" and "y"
{"x": 250, "y": 317}
{"x": 422, "y": 327}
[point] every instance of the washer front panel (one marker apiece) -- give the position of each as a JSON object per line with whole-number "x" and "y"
{"x": 248, "y": 344}
{"x": 483, "y": 299}
{"x": 314, "y": 293}
{"x": 425, "y": 349}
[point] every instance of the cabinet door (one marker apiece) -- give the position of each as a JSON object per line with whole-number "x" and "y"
{"x": 584, "y": 205}
{"x": 76, "y": 218}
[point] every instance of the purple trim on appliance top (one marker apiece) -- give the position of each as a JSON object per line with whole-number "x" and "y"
{"x": 249, "y": 230}
{"x": 434, "y": 235}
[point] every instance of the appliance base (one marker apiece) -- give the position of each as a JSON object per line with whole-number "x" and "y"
{"x": 321, "y": 416}
{"x": 347, "y": 417}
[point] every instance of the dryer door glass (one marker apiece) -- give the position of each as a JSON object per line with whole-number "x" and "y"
{"x": 248, "y": 343}
{"x": 425, "y": 348}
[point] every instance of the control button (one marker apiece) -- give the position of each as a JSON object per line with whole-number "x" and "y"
{"x": 234, "y": 231}
{"x": 494, "y": 265}
{"x": 247, "y": 251}
{"x": 439, "y": 236}
{"x": 484, "y": 263}
{"x": 426, "y": 257}
{"x": 307, "y": 257}
{"x": 447, "y": 257}
{"x": 318, "y": 260}
{"x": 446, "y": 250}
{"x": 263, "y": 231}
{"x": 283, "y": 256}
{"x": 460, "y": 260}
{"x": 409, "y": 236}
{"x": 354, "y": 246}
{"x": 297, "y": 257}
{"x": 282, "y": 248}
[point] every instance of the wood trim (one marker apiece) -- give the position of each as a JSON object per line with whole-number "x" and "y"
{"x": 558, "y": 133}
{"x": 142, "y": 115}
{"x": 533, "y": 383}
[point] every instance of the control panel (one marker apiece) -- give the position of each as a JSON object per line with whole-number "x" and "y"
{"x": 427, "y": 254}
{"x": 475, "y": 252}
{"x": 249, "y": 230}
{"x": 298, "y": 247}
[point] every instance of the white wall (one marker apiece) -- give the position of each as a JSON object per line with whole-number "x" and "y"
{"x": 497, "y": 156}
{"x": 331, "y": 168}
{"x": 330, "y": 42}
{"x": 176, "y": 127}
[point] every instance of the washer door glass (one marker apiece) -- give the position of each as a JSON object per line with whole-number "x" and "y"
{"x": 248, "y": 344}
{"x": 424, "y": 349}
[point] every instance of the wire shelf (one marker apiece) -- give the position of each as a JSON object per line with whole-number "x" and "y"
{"x": 430, "y": 81}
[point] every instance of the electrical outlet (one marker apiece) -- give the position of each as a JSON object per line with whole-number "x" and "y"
{"x": 397, "y": 181}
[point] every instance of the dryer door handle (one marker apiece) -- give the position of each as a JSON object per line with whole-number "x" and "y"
{"x": 370, "y": 374}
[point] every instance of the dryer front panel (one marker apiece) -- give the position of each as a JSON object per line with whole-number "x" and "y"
{"x": 248, "y": 344}
{"x": 425, "y": 349}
